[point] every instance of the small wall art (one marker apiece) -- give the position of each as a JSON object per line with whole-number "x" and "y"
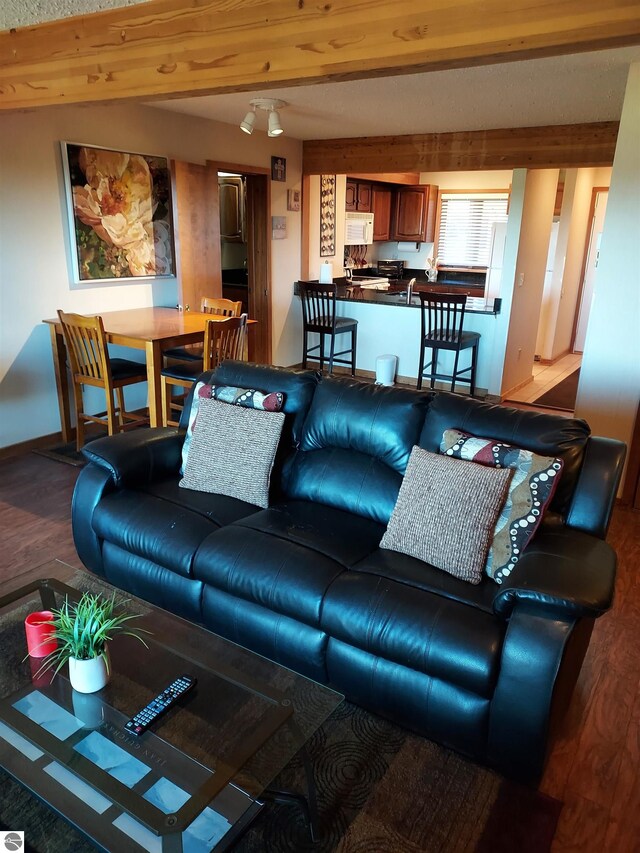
{"x": 119, "y": 207}
{"x": 293, "y": 199}
{"x": 278, "y": 169}
{"x": 327, "y": 215}
{"x": 278, "y": 227}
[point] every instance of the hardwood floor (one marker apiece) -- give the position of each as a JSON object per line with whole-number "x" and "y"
{"x": 595, "y": 764}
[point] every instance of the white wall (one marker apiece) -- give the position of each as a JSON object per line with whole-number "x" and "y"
{"x": 34, "y": 268}
{"x": 609, "y": 389}
{"x": 535, "y": 229}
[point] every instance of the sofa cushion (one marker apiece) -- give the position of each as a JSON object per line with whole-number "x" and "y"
{"x": 232, "y": 451}
{"x": 279, "y": 575}
{"x": 548, "y": 435}
{"x": 355, "y": 446}
{"x": 535, "y": 479}
{"x": 339, "y": 535}
{"x": 219, "y": 509}
{"x": 415, "y": 573}
{"x": 420, "y": 630}
{"x": 144, "y": 525}
{"x": 446, "y": 513}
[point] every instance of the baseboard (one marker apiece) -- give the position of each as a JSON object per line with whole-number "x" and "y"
{"x": 408, "y": 381}
{"x": 32, "y": 444}
{"x": 507, "y": 394}
{"x": 548, "y": 361}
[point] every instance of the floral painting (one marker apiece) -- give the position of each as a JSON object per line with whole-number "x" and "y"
{"x": 120, "y": 213}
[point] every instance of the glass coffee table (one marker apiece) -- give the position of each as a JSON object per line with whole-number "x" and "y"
{"x": 194, "y": 780}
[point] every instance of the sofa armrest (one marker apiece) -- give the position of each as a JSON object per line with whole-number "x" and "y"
{"x": 598, "y": 481}
{"x": 140, "y": 456}
{"x": 566, "y": 572}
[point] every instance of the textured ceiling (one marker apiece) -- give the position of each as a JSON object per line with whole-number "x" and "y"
{"x": 23, "y": 13}
{"x": 581, "y": 87}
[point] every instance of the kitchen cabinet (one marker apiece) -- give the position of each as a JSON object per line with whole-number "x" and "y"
{"x": 381, "y": 201}
{"x": 231, "y": 200}
{"x": 358, "y": 196}
{"x": 414, "y": 213}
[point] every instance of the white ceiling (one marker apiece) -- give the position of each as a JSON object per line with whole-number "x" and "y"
{"x": 584, "y": 87}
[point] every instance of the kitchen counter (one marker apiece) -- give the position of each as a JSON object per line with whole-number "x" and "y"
{"x": 395, "y": 295}
{"x": 383, "y": 328}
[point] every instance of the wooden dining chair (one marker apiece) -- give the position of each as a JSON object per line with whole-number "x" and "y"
{"x": 208, "y": 305}
{"x": 223, "y": 339}
{"x": 442, "y": 319}
{"x": 90, "y": 364}
{"x": 319, "y": 318}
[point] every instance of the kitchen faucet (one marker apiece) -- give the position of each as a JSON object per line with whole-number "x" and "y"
{"x": 410, "y": 290}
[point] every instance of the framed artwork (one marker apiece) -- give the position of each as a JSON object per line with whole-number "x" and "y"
{"x": 278, "y": 169}
{"x": 278, "y": 227}
{"x": 293, "y": 199}
{"x": 327, "y": 216}
{"x": 119, "y": 206}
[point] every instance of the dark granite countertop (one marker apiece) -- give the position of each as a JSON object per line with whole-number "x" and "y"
{"x": 396, "y": 295}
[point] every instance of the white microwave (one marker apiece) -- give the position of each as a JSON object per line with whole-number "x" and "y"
{"x": 358, "y": 229}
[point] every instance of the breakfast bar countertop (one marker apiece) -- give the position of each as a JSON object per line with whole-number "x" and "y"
{"x": 394, "y": 293}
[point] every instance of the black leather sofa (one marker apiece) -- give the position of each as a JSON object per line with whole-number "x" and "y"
{"x": 485, "y": 670}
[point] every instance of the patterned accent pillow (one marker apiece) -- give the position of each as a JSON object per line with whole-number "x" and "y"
{"x": 445, "y": 513}
{"x": 247, "y": 397}
{"x": 532, "y": 487}
{"x": 232, "y": 451}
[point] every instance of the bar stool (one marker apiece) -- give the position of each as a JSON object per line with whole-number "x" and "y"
{"x": 442, "y": 316}
{"x": 319, "y": 317}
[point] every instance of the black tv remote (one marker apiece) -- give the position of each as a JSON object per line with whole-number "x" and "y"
{"x": 160, "y": 705}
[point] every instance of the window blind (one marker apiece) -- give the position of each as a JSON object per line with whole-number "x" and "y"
{"x": 464, "y": 236}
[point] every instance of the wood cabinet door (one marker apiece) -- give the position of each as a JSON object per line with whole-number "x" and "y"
{"x": 351, "y": 197}
{"x": 381, "y": 207}
{"x": 231, "y": 193}
{"x": 364, "y": 198}
{"x": 414, "y": 214}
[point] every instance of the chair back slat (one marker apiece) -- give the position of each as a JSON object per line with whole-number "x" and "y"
{"x": 442, "y": 316}
{"x": 318, "y": 305}
{"x": 86, "y": 346}
{"x": 225, "y": 339}
{"x": 224, "y": 307}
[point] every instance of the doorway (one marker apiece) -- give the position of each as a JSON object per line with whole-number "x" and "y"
{"x": 243, "y": 205}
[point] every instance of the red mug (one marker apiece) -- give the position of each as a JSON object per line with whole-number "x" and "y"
{"x": 40, "y": 633}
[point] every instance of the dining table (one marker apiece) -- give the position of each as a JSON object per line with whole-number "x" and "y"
{"x": 152, "y": 330}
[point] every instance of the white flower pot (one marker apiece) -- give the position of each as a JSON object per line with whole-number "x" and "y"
{"x": 87, "y": 676}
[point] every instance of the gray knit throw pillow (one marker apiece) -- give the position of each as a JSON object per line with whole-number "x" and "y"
{"x": 232, "y": 451}
{"x": 446, "y": 512}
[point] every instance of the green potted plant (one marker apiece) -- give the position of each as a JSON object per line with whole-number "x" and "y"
{"x": 82, "y": 630}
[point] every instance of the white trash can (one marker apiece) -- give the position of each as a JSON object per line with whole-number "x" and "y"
{"x": 386, "y": 369}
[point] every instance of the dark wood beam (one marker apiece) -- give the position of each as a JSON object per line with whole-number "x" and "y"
{"x": 561, "y": 146}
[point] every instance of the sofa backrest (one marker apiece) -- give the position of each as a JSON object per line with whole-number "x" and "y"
{"x": 549, "y": 435}
{"x": 298, "y": 387}
{"x": 355, "y": 446}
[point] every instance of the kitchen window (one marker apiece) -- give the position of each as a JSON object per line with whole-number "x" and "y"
{"x": 465, "y": 228}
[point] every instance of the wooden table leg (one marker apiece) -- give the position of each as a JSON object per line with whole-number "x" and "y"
{"x": 154, "y": 366}
{"x": 62, "y": 384}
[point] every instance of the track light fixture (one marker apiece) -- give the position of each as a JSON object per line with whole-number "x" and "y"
{"x": 270, "y": 105}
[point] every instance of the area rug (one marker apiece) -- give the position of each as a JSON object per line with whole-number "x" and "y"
{"x": 563, "y": 395}
{"x": 63, "y": 453}
{"x": 380, "y": 790}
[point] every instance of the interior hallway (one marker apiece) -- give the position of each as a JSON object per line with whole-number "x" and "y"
{"x": 545, "y": 377}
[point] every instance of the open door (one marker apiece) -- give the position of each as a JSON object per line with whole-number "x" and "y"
{"x": 257, "y": 228}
